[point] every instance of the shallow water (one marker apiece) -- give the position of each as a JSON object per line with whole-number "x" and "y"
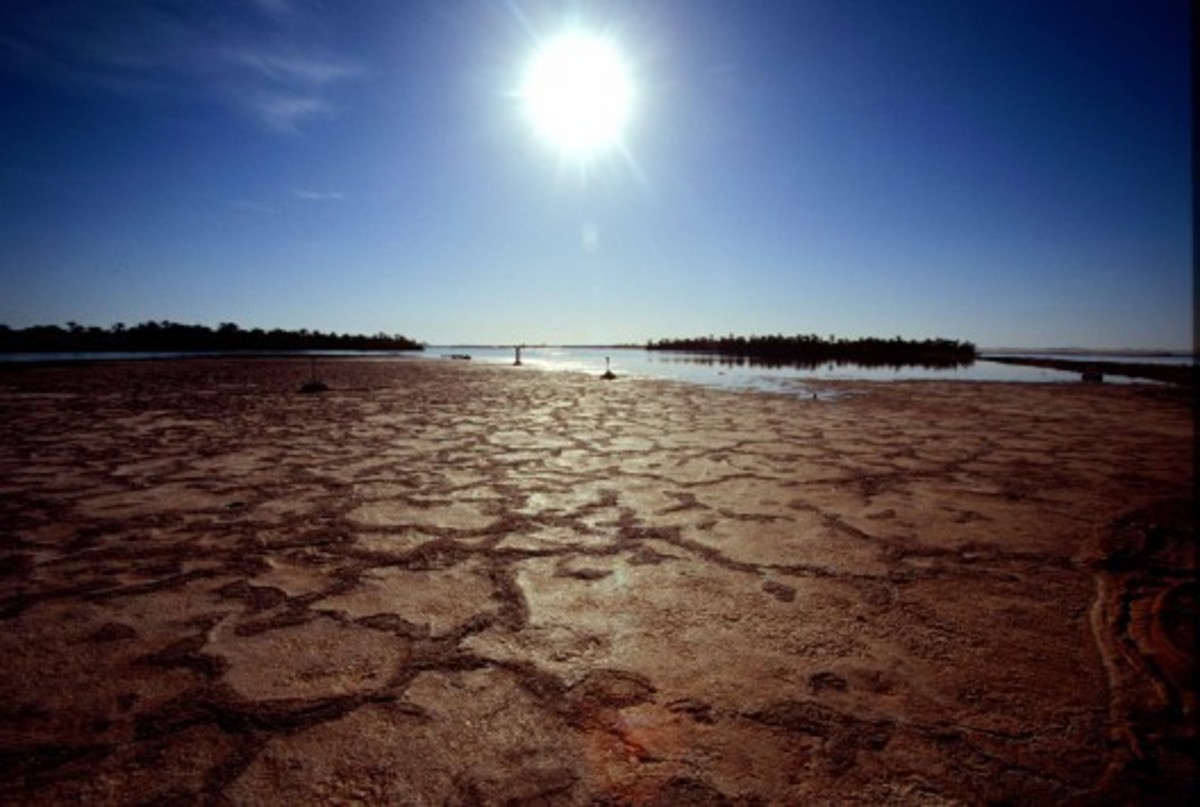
{"x": 734, "y": 373}
{"x": 722, "y": 372}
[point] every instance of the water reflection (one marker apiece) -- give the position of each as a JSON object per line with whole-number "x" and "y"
{"x": 742, "y": 373}
{"x": 813, "y": 366}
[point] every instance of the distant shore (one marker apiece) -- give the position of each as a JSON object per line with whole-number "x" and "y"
{"x": 167, "y": 336}
{"x": 1184, "y": 375}
{"x": 813, "y": 349}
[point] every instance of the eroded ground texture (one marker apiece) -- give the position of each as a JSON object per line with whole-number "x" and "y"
{"x": 446, "y": 583}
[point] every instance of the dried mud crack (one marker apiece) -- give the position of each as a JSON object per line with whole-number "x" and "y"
{"x": 439, "y": 582}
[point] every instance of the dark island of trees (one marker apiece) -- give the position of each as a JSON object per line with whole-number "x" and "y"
{"x": 811, "y": 350}
{"x": 174, "y": 337}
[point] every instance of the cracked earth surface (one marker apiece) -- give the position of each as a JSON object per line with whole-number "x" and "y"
{"x": 445, "y": 583}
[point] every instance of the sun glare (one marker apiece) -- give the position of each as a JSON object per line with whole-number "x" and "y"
{"x": 578, "y": 95}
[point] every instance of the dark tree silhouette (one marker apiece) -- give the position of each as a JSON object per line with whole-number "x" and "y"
{"x": 172, "y": 336}
{"x": 810, "y": 349}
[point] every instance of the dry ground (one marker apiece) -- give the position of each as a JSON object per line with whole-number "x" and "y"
{"x": 445, "y": 583}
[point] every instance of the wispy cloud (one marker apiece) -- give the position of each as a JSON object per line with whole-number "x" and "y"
{"x": 272, "y": 65}
{"x": 284, "y": 112}
{"x": 286, "y": 67}
{"x": 318, "y": 196}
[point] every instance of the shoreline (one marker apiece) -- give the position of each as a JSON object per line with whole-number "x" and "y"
{"x": 218, "y": 587}
{"x": 728, "y": 373}
{"x": 1182, "y": 375}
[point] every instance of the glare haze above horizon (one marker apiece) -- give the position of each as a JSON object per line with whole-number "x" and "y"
{"x": 1012, "y": 174}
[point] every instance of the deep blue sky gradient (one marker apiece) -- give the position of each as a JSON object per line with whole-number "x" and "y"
{"x": 1011, "y": 173}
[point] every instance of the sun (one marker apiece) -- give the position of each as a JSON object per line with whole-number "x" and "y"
{"x": 578, "y": 94}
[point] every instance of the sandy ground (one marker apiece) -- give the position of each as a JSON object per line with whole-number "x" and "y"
{"x": 446, "y": 583}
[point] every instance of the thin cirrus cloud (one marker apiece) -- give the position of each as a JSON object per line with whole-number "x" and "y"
{"x": 287, "y": 68}
{"x": 285, "y": 89}
{"x": 299, "y": 194}
{"x": 286, "y": 112}
{"x": 261, "y": 65}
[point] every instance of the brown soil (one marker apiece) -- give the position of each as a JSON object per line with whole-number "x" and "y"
{"x": 444, "y": 582}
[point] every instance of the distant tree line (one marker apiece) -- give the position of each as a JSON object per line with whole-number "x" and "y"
{"x": 173, "y": 336}
{"x": 810, "y": 349}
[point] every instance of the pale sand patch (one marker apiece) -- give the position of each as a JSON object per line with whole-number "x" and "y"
{"x": 457, "y": 478}
{"x": 799, "y": 540}
{"x": 145, "y": 469}
{"x": 755, "y": 496}
{"x": 650, "y": 496}
{"x": 148, "y": 423}
{"x": 650, "y": 619}
{"x": 293, "y": 577}
{"x": 352, "y": 470}
{"x": 299, "y": 501}
{"x": 567, "y": 499}
{"x": 393, "y": 542}
{"x": 382, "y": 490}
{"x": 578, "y": 461}
{"x": 238, "y": 463}
{"x": 441, "y": 599}
{"x": 451, "y": 515}
{"x": 514, "y": 440}
{"x": 552, "y": 539}
{"x": 156, "y": 499}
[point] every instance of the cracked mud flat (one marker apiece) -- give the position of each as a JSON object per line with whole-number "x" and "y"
{"x": 445, "y": 583}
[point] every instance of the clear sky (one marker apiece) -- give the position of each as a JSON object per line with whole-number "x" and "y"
{"x": 1009, "y": 172}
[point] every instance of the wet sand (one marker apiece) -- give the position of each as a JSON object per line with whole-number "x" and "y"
{"x": 440, "y": 582}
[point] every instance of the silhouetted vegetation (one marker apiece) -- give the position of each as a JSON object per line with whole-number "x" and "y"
{"x": 810, "y": 350}
{"x": 173, "y": 336}
{"x": 1184, "y": 375}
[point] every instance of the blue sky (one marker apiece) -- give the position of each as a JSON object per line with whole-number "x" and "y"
{"x": 1010, "y": 173}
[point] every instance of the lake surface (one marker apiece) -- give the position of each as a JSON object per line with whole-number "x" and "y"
{"x": 714, "y": 371}
{"x": 734, "y": 373}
